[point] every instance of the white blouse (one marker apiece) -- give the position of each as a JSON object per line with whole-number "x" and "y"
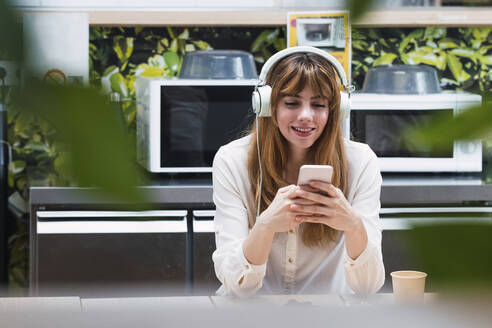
{"x": 292, "y": 267}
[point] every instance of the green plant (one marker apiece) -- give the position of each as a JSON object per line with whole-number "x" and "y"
{"x": 159, "y": 54}
{"x": 462, "y": 56}
{"x": 268, "y": 43}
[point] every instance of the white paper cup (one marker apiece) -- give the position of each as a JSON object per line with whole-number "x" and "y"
{"x": 408, "y": 286}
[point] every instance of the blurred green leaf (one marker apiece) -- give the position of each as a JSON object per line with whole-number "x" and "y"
{"x": 481, "y": 34}
{"x": 164, "y": 42}
{"x": 358, "y": 8}
{"x": 445, "y": 80}
{"x": 280, "y": 44}
{"x": 185, "y": 35}
{"x": 360, "y": 44}
{"x": 63, "y": 164}
{"x": 424, "y": 56}
{"x": 466, "y": 53}
{"x": 156, "y": 61}
{"x": 259, "y": 59}
{"x": 383, "y": 42}
{"x": 456, "y": 68}
{"x": 487, "y": 60}
{"x": 266, "y": 37}
{"x": 129, "y": 112}
{"x": 10, "y": 33}
{"x": 450, "y": 264}
{"x": 99, "y": 151}
{"x": 189, "y": 47}
{"x": 110, "y": 70}
{"x": 417, "y": 34}
{"x": 37, "y": 146}
{"x": 149, "y": 71}
{"x": 171, "y": 32}
{"x": 432, "y": 33}
{"x": 474, "y": 123}
{"x": 431, "y": 44}
{"x": 174, "y": 45}
{"x": 17, "y": 166}
{"x": 385, "y": 59}
{"x": 118, "y": 84}
{"x": 447, "y": 43}
{"x": 201, "y": 45}
{"x": 172, "y": 60}
{"x": 123, "y": 47}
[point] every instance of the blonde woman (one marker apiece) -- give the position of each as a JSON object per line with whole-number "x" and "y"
{"x": 318, "y": 240}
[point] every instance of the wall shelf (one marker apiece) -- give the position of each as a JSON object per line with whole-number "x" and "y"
{"x": 404, "y": 17}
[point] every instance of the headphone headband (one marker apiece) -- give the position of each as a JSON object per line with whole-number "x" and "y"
{"x": 303, "y": 49}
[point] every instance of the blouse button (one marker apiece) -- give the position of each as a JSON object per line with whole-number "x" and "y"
{"x": 290, "y": 260}
{"x": 291, "y": 231}
{"x": 246, "y": 266}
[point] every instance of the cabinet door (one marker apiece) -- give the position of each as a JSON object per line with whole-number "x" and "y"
{"x": 204, "y": 279}
{"x": 101, "y": 253}
{"x": 397, "y": 244}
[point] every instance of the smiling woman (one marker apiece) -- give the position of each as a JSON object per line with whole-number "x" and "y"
{"x": 317, "y": 240}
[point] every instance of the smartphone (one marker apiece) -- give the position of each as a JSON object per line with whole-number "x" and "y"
{"x": 309, "y": 173}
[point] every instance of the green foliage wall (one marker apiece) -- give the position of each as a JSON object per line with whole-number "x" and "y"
{"x": 462, "y": 56}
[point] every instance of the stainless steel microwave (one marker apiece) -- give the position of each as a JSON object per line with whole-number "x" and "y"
{"x": 379, "y": 120}
{"x": 181, "y": 123}
{"x": 321, "y": 32}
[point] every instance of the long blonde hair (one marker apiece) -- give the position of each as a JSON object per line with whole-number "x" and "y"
{"x": 290, "y": 76}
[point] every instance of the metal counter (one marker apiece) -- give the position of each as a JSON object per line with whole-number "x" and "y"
{"x": 404, "y": 202}
{"x": 200, "y": 196}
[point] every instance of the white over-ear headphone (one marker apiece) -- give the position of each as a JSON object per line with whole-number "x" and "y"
{"x": 261, "y": 95}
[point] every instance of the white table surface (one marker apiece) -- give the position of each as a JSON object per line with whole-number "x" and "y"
{"x": 332, "y": 300}
{"x": 158, "y": 304}
{"x": 40, "y": 304}
{"x": 318, "y": 300}
{"x": 144, "y": 304}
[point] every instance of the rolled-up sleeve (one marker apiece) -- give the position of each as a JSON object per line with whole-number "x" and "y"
{"x": 365, "y": 275}
{"x": 238, "y": 277}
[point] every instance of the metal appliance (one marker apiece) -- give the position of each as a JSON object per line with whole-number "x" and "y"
{"x": 397, "y": 97}
{"x": 181, "y": 123}
{"x": 321, "y": 32}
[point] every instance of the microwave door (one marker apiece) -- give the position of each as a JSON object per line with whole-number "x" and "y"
{"x": 384, "y": 131}
{"x": 197, "y": 119}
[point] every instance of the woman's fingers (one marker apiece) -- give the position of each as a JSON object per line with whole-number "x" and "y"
{"x": 302, "y": 201}
{"x": 287, "y": 189}
{"x": 312, "y": 196}
{"x": 308, "y": 188}
{"x": 314, "y": 219}
{"x": 328, "y": 188}
{"x": 313, "y": 209}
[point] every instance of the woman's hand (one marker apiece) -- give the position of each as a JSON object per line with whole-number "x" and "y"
{"x": 330, "y": 208}
{"x": 281, "y": 215}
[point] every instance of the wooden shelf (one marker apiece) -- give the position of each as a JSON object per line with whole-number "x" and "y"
{"x": 404, "y": 17}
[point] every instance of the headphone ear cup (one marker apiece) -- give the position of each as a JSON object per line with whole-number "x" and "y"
{"x": 344, "y": 105}
{"x": 256, "y": 102}
{"x": 261, "y": 101}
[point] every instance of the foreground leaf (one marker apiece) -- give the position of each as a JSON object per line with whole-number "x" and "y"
{"x": 358, "y": 8}
{"x": 100, "y": 153}
{"x": 449, "y": 263}
{"x": 474, "y": 123}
